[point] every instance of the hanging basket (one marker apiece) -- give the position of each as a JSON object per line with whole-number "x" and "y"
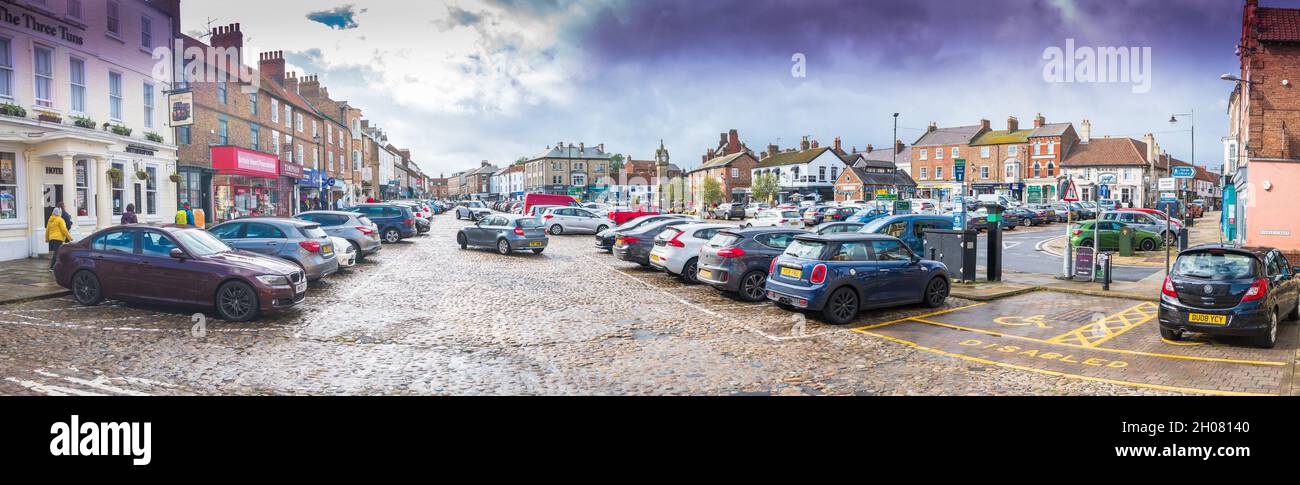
{"x": 142, "y": 175}
{"x": 175, "y": 177}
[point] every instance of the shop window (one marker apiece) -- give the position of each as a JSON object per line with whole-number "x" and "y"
{"x": 151, "y": 191}
{"x": 117, "y": 186}
{"x": 8, "y": 187}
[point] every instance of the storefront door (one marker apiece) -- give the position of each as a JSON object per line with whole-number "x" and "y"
{"x": 53, "y": 193}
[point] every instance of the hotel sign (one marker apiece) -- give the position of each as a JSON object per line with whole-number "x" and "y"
{"x": 35, "y": 23}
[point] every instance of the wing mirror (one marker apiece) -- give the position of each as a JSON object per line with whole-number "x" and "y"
{"x": 177, "y": 253}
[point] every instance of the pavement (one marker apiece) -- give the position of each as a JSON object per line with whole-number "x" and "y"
{"x": 1205, "y": 230}
{"x": 28, "y": 279}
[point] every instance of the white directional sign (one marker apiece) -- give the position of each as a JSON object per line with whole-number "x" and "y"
{"x": 1167, "y": 183}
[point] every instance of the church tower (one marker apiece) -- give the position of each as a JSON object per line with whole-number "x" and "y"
{"x": 661, "y": 175}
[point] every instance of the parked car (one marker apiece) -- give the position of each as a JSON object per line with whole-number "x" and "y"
{"x": 776, "y": 218}
{"x": 834, "y": 227}
{"x": 1082, "y": 212}
{"x": 1108, "y": 204}
{"x": 869, "y": 214}
{"x": 506, "y": 233}
{"x": 1048, "y": 211}
{"x": 677, "y": 249}
{"x": 1026, "y": 217}
{"x": 736, "y": 260}
{"x": 531, "y": 200}
{"x": 472, "y": 210}
{"x": 1146, "y": 222}
{"x": 729, "y": 211}
{"x": 359, "y": 231}
{"x": 820, "y": 214}
{"x": 302, "y": 242}
{"x": 605, "y": 239}
{"x": 751, "y": 210}
{"x": 567, "y": 220}
{"x": 395, "y": 222}
{"x": 910, "y": 228}
{"x": 634, "y": 246}
{"x": 1224, "y": 290}
{"x": 1108, "y": 233}
{"x": 185, "y": 266}
{"x": 1175, "y": 223}
{"x": 978, "y": 220}
{"x": 347, "y": 255}
{"x": 620, "y": 217}
{"x": 841, "y": 274}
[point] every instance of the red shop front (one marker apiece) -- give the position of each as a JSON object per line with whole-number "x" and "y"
{"x": 248, "y": 184}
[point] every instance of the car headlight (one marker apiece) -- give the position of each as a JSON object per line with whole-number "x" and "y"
{"x": 274, "y": 280}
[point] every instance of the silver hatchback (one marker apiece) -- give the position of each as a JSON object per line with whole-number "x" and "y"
{"x": 302, "y": 242}
{"x": 358, "y": 230}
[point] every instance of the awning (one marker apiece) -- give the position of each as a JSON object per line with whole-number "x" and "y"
{"x": 240, "y": 161}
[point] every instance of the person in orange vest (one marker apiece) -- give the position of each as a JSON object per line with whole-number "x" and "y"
{"x": 199, "y": 221}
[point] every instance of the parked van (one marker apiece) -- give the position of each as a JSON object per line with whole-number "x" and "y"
{"x": 531, "y": 200}
{"x": 999, "y": 199}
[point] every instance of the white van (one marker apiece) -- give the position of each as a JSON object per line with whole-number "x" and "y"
{"x": 999, "y": 199}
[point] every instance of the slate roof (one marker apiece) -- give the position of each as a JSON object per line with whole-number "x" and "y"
{"x": 567, "y": 152}
{"x": 1050, "y": 129}
{"x": 716, "y": 162}
{"x": 958, "y": 135}
{"x": 795, "y": 157}
{"x": 873, "y": 178}
{"x": 883, "y": 155}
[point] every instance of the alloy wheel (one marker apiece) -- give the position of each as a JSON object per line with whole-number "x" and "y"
{"x": 936, "y": 293}
{"x": 236, "y": 302}
{"x": 843, "y": 305}
{"x": 754, "y": 286}
{"x": 503, "y": 247}
{"x": 86, "y": 288}
{"x": 392, "y": 236}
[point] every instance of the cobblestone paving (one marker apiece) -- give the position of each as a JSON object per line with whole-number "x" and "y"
{"x": 424, "y": 317}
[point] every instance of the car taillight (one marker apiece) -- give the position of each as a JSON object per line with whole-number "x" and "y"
{"x": 410, "y": 222}
{"x": 771, "y": 268}
{"x": 734, "y": 253}
{"x": 365, "y": 230}
{"x": 1257, "y": 291}
{"x": 1169, "y": 290}
{"x": 519, "y": 231}
{"x": 548, "y": 216}
{"x": 1078, "y": 232}
{"x": 818, "y": 275}
{"x": 311, "y": 246}
{"x": 674, "y": 242}
{"x": 630, "y": 240}
{"x": 783, "y": 221}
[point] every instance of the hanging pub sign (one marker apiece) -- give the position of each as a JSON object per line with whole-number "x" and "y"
{"x": 182, "y": 108}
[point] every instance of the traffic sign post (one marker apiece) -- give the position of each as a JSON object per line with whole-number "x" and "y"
{"x": 1069, "y": 193}
{"x": 1184, "y": 172}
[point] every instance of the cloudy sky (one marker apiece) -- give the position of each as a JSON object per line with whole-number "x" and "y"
{"x": 459, "y": 81}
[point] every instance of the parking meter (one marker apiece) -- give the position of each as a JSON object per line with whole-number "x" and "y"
{"x": 994, "y": 223}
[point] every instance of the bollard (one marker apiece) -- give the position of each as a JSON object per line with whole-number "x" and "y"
{"x": 1182, "y": 239}
{"x": 1105, "y": 268}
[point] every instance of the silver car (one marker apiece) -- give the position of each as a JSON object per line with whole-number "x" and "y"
{"x": 505, "y": 232}
{"x": 302, "y": 242}
{"x": 360, "y": 232}
{"x": 569, "y": 220}
{"x": 472, "y": 210}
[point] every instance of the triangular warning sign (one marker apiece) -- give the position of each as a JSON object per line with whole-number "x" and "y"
{"x": 1070, "y": 192}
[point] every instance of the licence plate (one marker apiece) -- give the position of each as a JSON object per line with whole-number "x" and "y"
{"x": 793, "y": 273}
{"x": 1204, "y": 318}
{"x": 329, "y": 250}
{"x": 300, "y": 287}
{"x": 655, "y": 258}
{"x": 534, "y": 243}
{"x": 704, "y": 273}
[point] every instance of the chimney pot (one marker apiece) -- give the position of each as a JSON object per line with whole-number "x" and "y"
{"x": 870, "y": 148}
{"x": 1085, "y": 131}
{"x": 931, "y": 127}
{"x": 1039, "y": 121}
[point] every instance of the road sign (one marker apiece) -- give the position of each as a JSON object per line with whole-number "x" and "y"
{"x": 1103, "y": 191}
{"x": 1184, "y": 172}
{"x": 887, "y": 197}
{"x": 1166, "y": 184}
{"x": 1069, "y": 192}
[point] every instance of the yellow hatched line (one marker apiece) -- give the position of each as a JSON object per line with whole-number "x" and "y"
{"x": 1061, "y": 374}
{"x": 928, "y": 315}
{"x": 1099, "y": 349}
{"x": 1100, "y": 331}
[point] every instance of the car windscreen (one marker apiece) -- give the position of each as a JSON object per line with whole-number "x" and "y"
{"x": 803, "y": 249}
{"x": 874, "y": 226}
{"x": 723, "y": 240}
{"x": 200, "y": 242}
{"x": 312, "y": 231}
{"x": 1215, "y": 266}
{"x": 528, "y": 223}
{"x": 790, "y": 214}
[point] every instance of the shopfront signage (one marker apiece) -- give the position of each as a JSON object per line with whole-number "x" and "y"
{"x": 240, "y": 161}
{"x": 140, "y": 150}
{"x": 291, "y": 170}
{"x": 181, "y": 109}
{"x": 310, "y": 178}
{"x": 36, "y": 24}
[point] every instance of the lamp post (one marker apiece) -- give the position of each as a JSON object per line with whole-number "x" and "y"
{"x": 1191, "y": 119}
{"x": 894, "y": 151}
{"x": 315, "y": 139}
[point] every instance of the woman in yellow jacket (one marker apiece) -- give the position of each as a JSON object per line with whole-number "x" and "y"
{"x": 56, "y": 233}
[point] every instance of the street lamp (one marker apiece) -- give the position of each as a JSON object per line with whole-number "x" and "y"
{"x": 894, "y": 150}
{"x": 1230, "y": 77}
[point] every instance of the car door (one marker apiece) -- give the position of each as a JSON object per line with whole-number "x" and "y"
{"x": 170, "y": 280}
{"x": 1108, "y": 234}
{"x": 901, "y": 277}
{"x": 585, "y": 219}
{"x": 1286, "y": 282}
{"x": 229, "y": 233}
{"x": 478, "y": 232}
{"x": 114, "y": 258}
{"x": 852, "y": 260}
{"x": 260, "y": 237}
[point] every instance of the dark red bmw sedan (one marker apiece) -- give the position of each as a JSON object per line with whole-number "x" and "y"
{"x": 177, "y": 265}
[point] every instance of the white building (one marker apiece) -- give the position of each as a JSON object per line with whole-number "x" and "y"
{"x": 808, "y": 173}
{"x": 64, "y": 63}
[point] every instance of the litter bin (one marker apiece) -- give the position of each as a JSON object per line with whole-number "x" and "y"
{"x": 1126, "y": 241}
{"x": 955, "y": 249}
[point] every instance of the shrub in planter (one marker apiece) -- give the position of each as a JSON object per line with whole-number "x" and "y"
{"x": 175, "y": 177}
{"x": 153, "y": 137}
{"x": 11, "y": 109}
{"x": 49, "y": 117}
{"x": 83, "y": 122}
{"x": 120, "y": 130}
{"x": 114, "y": 174}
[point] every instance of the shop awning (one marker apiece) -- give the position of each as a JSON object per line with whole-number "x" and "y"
{"x": 239, "y": 161}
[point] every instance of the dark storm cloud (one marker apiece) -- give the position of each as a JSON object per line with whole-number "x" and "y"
{"x": 341, "y": 18}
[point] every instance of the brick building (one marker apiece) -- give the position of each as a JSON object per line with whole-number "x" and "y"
{"x": 567, "y": 169}
{"x": 332, "y": 135}
{"x": 933, "y": 155}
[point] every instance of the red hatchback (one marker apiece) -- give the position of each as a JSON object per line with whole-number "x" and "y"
{"x": 177, "y": 265}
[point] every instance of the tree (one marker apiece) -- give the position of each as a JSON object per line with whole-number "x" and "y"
{"x": 712, "y": 191}
{"x": 765, "y": 188}
{"x": 616, "y": 162}
{"x": 521, "y": 160}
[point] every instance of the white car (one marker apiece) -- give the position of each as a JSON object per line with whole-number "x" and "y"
{"x": 776, "y": 218}
{"x": 677, "y": 249}
{"x": 569, "y": 220}
{"x": 471, "y": 210}
{"x": 347, "y": 252}
{"x": 751, "y": 210}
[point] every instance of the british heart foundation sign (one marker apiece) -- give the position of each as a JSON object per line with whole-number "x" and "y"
{"x": 239, "y": 161}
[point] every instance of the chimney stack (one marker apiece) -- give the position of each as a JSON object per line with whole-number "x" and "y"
{"x": 733, "y": 142}
{"x": 803, "y": 144}
{"x": 582, "y": 147}
{"x": 898, "y": 146}
{"x": 984, "y": 125}
{"x": 773, "y": 150}
{"x": 1013, "y": 124}
{"x": 932, "y": 126}
{"x": 228, "y": 37}
{"x": 291, "y": 81}
{"x": 870, "y": 148}
{"x": 1150, "y": 140}
{"x": 815, "y": 144}
{"x": 600, "y": 148}
{"x": 1039, "y": 121}
{"x": 838, "y": 148}
{"x": 271, "y": 66}
{"x": 1085, "y": 131}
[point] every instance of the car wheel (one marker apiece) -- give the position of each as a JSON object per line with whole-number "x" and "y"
{"x": 936, "y": 292}
{"x": 1027, "y": 222}
{"x": 503, "y": 246}
{"x": 236, "y": 302}
{"x": 86, "y": 289}
{"x": 458, "y": 215}
{"x": 1171, "y": 239}
{"x": 356, "y": 249}
{"x": 1269, "y": 338}
{"x": 1170, "y": 335}
{"x": 556, "y": 230}
{"x": 462, "y": 240}
{"x": 690, "y": 271}
{"x": 841, "y": 307}
{"x": 538, "y": 251}
{"x": 1086, "y": 243}
{"x": 392, "y": 236}
{"x": 601, "y": 228}
{"x": 1148, "y": 245}
{"x": 753, "y": 286}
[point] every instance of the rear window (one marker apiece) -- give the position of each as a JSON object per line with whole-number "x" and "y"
{"x": 1207, "y": 265}
{"x": 669, "y": 233}
{"x": 528, "y": 223}
{"x": 313, "y": 231}
{"x": 364, "y": 220}
{"x": 805, "y": 249}
{"x": 723, "y": 240}
{"x": 790, "y": 214}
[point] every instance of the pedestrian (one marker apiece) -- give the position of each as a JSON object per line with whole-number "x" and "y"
{"x": 200, "y": 219}
{"x": 189, "y": 214}
{"x": 67, "y": 216}
{"x": 56, "y": 233}
{"x": 181, "y": 216}
{"x": 129, "y": 216}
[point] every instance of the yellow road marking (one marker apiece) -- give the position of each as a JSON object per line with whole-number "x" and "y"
{"x": 1096, "y": 333}
{"x": 928, "y": 315}
{"x": 1060, "y": 374}
{"x": 1100, "y": 349}
{"x": 1191, "y": 343}
{"x": 1036, "y": 320}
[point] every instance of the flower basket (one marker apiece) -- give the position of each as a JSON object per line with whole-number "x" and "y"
{"x": 83, "y": 122}
{"x": 153, "y": 137}
{"x": 49, "y": 117}
{"x": 10, "y": 109}
{"x": 142, "y": 175}
{"x": 115, "y": 175}
{"x": 120, "y": 130}
{"x": 175, "y": 177}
